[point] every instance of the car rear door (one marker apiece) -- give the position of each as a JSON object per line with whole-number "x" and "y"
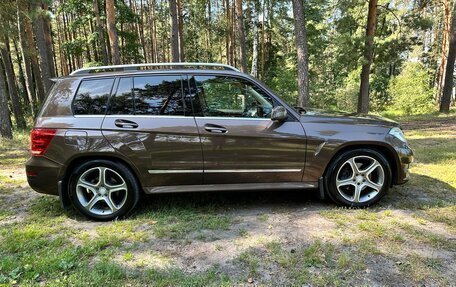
{"x": 240, "y": 143}
{"x": 150, "y": 123}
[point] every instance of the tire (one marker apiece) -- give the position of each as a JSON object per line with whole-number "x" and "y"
{"x": 358, "y": 178}
{"x": 112, "y": 196}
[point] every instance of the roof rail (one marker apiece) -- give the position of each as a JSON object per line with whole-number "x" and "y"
{"x": 133, "y": 67}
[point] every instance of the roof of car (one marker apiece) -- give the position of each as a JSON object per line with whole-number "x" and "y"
{"x": 138, "y": 69}
{"x": 148, "y": 66}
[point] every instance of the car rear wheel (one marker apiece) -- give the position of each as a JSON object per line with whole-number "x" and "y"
{"x": 103, "y": 190}
{"x": 358, "y": 178}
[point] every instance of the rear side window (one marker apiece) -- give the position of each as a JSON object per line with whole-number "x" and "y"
{"x": 158, "y": 95}
{"x": 122, "y": 103}
{"x": 150, "y": 95}
{"x": 92, "y": 97}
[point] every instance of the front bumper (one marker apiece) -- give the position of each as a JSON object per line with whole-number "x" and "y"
{"x": 405, "y": 154}
{"x": 43, "y": 174}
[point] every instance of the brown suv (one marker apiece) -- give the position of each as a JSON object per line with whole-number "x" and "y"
{"x": 107, "y": 135}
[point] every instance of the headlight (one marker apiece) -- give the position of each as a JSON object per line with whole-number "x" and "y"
{"x": 397, "y": 133}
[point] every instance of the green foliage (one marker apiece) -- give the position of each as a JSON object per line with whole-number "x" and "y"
{"x": 284, "y": 83}
{"x": 346, "y": 96}
{"x": 410, "y": 90}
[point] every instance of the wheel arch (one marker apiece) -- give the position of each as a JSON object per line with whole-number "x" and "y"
{"x": 75, "y": 161}
{"x": 387, "y": 151}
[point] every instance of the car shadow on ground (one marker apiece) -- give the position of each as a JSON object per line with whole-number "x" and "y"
{"x": 410, "y": 195}
{"x": 421, "y": 192}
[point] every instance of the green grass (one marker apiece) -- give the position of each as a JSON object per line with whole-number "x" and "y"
{"x": 317, "y": 264}
{"x": 165, "y": 242}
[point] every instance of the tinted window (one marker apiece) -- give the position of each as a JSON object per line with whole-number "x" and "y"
{"x": 222, "y": 96}
{"x": 122, "y": 103}
{"x": 158, "y": 95}
{"x": 92, "y": 97}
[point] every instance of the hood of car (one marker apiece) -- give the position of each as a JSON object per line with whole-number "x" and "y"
{"x": 345, "y": 117}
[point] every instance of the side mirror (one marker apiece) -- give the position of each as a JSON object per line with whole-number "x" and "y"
{"x": 279, "y": 114}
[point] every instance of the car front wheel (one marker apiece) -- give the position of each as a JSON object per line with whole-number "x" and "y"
{"x": 103, "y": 190}
{"x": 358, "y": 178}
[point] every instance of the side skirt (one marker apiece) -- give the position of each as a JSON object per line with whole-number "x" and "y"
{"x": 231, "y": 187}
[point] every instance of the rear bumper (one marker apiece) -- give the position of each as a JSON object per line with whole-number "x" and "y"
{"x": 43, "y": 175}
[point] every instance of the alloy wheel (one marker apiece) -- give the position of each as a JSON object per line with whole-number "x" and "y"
{"x": 101, "y": 190}
{"x": 360, "y": 179}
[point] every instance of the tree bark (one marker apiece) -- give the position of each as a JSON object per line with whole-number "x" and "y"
{"x": 6, "y": 130}
{"x": 363, "y": 99}
{"x": 174, "y": 31}
{"x": 301, "y": 46}
{"x": 449, "y": 71}
{"x": 240, "y": 32}
{"x": 46, "y": 62}
{"x": 12, "y": 88}
{"x": 113, "y": 38}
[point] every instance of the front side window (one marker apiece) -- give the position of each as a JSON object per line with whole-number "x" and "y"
{"x": 92, "y": 97}
{"x": 223, "y": 96}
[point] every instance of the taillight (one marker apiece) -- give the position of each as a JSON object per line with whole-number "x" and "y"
{"x": 40, "y": 140}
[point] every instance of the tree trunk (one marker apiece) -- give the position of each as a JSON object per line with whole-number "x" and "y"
{"x": 67, "y": 37}
{"x": 20, "y": 80}
{"x": 113, "y": 38}
{"x": 181, "y": 30}
{"x": 449, "y": 71}
{"x": 101, "y": 35}
{"x": 232, "y": 36}
{"x": 254, "y": 71}
{"x": 174, "y": 31}
{"x": 42, "y": 44}
{"x": 262, "y": 37}
{"x": 5, "y": 117}
{"x": 140, "y": 28}
{"x": 363, "y": 100}
{"x": 60, "y": 39}
{"x": 12, "y": 88}
{"x": 227, "y": 33}
{"x": 301, "y": 46}
{"x": 40, "y": 94}
{"x": 441, "y": 70}
{"x": 240, "y": 32}
{"x": 49, "y": 43}
{"x": 94, "y": 43}
{"x": 208, "y": 22}
{"x": 152, "y": 32}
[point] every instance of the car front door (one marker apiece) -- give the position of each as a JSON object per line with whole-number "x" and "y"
{"x": 240, "y": 142}
{"x": 150, "y": 123}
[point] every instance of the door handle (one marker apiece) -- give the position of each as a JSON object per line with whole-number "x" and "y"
{"x": 215, "y": 129}
{"x": 125, "y": 124}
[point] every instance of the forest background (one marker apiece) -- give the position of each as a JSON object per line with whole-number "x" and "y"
{"x": 394, "y": 57}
